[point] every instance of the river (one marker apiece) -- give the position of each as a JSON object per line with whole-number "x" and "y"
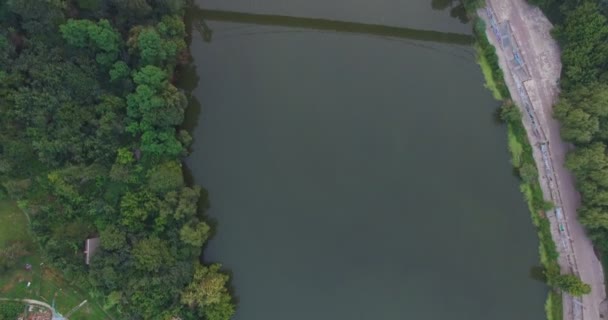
{"x": 356, "y": 174}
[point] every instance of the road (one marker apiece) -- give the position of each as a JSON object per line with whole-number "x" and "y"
{"x": 531, "y": 33}
{"x": 55, "y": 315}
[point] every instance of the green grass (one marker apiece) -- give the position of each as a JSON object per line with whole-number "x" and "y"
{"x": 554, "y": 307}
{"x": 12, "y": 220}
{"x": 486, "y": 69}
{"x": 488, "y": 61}
{"x": 11, "y": 310}
{"x": 46, "y": 282}
{"x": 515, "y": 148}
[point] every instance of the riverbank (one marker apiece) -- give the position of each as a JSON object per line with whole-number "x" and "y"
{"x": 523, "y": 161}
{"x": 529, "y": 58}
{"x": 522, "y": 158}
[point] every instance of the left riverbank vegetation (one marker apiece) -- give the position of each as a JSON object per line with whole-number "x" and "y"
{"x": 89, "y": 148}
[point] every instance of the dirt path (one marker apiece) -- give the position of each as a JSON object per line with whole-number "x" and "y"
{"x": 534, "y": 87}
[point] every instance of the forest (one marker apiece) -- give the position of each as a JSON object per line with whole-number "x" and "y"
{"x": 90, "y": 146}
{"x": 581, "y": 29}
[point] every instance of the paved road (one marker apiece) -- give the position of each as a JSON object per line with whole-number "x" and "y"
{"x": 29, "y": 301}
{"x": 541, "y": 54}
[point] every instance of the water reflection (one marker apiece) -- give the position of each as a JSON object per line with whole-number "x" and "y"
{"x": 456, "y": 7}
{"x": 538, "y": 273}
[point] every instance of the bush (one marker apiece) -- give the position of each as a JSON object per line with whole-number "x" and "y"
{"x": 10, "y": 310}
{"x": 572, "y": 284}
{"x": 489, "y": 53}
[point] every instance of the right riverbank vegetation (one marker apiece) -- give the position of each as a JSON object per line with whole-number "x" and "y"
{"x": 522, "y": 152}
{"x": 581, "y": 29}
{"x": 89, "y": 149}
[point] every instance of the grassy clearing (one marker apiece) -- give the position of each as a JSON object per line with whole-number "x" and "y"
{"x": 46, "y": 283}
{"x": 12, "y": 219}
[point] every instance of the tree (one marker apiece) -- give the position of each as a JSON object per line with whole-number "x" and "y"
{"x": 11, "y": 310}
{"x": 166, "y": 177}
{"x": 124, "y": 156}
{"x": 160, "y": 44}
{"x": 510, "y": 113}
{"x": 577, "y": 125}
{"x": 38, "y": 16}
{"x": 120, "y": 71}
{"x": 172, "y": 6}
{"x": 136, "y": 7}
{"x": 154, "y": 109}
{"x": 583, "y": 36}
{"x": 195, "y": 233}
{"x": 151, "y": 254}
{"x": 112, "y": 300}
{"x": 172, "y": 26}
{"x": 594, "y": 217}
{"x": 528, "y": 173}
{"x": 151, "y": 76}
{"x": 91, "y": 5}
{"x": 142, "y": 104}
{"x": 76, "y": 32}
{"x": 207, "y": 292}
{"x": 113, "y": 238}
{"x": 137, "y": 208}
{"x": 592, "y": 99}
{"x": 586, "y": 160}
{"x": 572, "y": 284}
{"x": 223, "y": 310}
{"x": 161, "y": 142}
{"x": 188, "y": 203}
{"x": 151, "y": 48}
{"x": 100, "y": 36}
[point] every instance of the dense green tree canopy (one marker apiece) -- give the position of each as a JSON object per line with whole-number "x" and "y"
{"x": 207, "y": 292}
{"x": 582, "y": 32}
{"x": 584, "y": 49}
{"x": 89, "y": 146}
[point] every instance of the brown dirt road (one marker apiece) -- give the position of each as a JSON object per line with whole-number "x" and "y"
{"x": 531, "y": 31}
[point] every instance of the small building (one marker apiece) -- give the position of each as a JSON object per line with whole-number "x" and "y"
{"x": 90, "y": 248}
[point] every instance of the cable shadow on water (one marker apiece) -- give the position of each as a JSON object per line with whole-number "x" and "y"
{"x": 465, "y": 54}
{"x": 202, "y": 16}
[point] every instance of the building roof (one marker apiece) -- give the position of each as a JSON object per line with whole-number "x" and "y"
{"x": 91, "y": 246}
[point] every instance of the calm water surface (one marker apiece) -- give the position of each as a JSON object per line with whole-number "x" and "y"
{"x": 357, "y": 176}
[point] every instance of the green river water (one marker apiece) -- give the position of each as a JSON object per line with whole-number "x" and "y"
{"x": 356, "y": 173}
